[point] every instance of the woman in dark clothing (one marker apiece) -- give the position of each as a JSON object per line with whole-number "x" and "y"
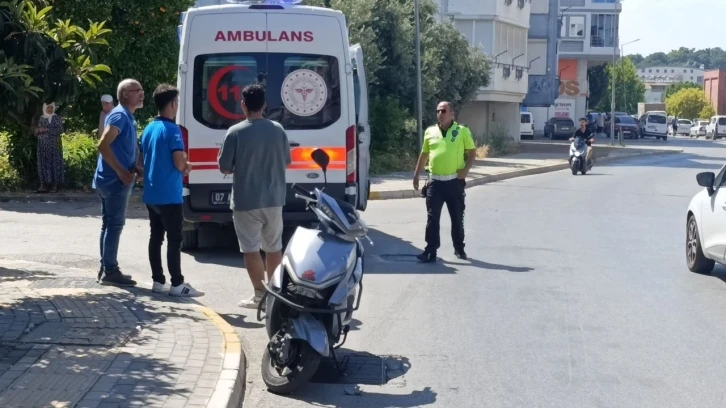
{"x": 50, "y": 150}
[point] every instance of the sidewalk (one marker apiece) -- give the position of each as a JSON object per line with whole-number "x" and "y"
{"x": 66, "y": 341}
{"x": 538, "y": 158}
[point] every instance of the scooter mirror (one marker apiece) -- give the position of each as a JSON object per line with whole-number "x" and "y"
{"x": 321, "y": 158}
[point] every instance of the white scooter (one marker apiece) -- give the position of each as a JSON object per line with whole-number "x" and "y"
{"x": 310, "y": 300}
{"x": 578, "y": 152}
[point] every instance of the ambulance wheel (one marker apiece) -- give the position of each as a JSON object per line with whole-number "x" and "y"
{"x": 190, "y": 240}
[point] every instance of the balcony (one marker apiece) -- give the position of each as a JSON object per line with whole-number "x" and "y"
{"x": 602, "y": 41}
{"x": 592, "y": 4}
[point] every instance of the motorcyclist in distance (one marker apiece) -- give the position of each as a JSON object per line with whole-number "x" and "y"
{"x": 586, "y": 135}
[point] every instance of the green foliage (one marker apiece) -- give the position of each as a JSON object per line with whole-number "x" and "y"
{"x": 41, "y": 60}
{"x": 707, "y": 112}
{"x": 629, "y": 89}
{"x": 711, "y": 58}
{"x": 79, "y": 154}
{"x": 9, "y": 178}
{"x": 673, "y": 89}
{"x": 598, "y": 81}
{"x": 687, "y": 103}
{"x": 451, "y": 70}
{"x": 144, "y": 46}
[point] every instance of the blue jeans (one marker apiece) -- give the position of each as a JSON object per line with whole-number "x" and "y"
{"x": 114, "y": 202}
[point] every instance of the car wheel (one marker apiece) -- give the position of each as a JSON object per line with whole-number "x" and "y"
{"x": 696, "y": 260}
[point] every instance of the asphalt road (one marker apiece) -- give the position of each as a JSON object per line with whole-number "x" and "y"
{"x": 577, "y": 293}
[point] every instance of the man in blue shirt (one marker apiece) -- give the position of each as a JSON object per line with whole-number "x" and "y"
{"x": 116, "y": 172}
{"x": 164, "y": 161}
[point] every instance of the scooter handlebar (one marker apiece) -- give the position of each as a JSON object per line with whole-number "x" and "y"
{"x": 303, "y": 192}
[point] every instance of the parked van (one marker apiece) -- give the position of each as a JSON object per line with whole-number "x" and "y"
{"x": 315, "y": 85}
{"x": 526, "y": 127}
{"x": 654, "y": 124}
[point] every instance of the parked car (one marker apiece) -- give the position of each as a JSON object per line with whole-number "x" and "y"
{"x": 706, "y": 223}
{"x": 559, "y": 128}
{"x": 625, "y": 124}
{"x": 684, "y": 127}
{"x": 654, "y": 124}
{"x": 698, "y": 128}
{"x": 716, "y": 127}
{"x": 526, "y": 125}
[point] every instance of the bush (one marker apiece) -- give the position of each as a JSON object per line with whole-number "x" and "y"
{"x": 495, "y": 142}
{"x": 9, "y": 177}
{"x": 80, "y": 155}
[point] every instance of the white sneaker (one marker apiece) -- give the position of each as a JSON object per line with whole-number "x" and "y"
{"x": 185, "y": 290}
{"x": 253, "y": 301}
{"x": 159, "y": 288}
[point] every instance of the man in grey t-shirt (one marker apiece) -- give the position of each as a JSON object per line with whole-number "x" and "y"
{"x": 256, "y": 152}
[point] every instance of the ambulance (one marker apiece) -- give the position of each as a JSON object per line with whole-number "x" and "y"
{"x": 315, "y": 86}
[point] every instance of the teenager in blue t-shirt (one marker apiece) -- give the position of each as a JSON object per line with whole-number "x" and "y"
{"x": 164, "y": 160}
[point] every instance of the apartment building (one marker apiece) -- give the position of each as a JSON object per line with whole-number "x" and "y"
{"x": 500, "y": 28}
{"x": 714, "y": 85}
{"x": 658, "y": 79}
{"x": 588, "y": 38}
{"x": 542, "y": 41}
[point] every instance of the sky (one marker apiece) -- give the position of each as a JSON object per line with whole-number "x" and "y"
{"x": 665, "y": 25}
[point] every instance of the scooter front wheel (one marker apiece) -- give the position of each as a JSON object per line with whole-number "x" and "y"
{"x": 574, "y": 166}
{"x": 287, "y": 377}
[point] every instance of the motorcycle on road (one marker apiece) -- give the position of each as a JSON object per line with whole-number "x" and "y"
{"x": 578, "y": 152}
{"x": 310, "y": 299}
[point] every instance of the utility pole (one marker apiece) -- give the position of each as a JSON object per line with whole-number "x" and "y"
{"x": 419, "y": 96}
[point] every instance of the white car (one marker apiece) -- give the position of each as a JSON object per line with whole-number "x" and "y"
{"x": 684, "y": 127}
{"x": 716, "y": 127}
{"x": 706, "y": 224}
{"x": 526, "y": 125}
{"x": 699, "y": 128}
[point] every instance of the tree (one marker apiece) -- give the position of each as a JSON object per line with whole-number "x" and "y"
{"x": 710, "y": 58}
{"x": 629, "y": 89}
{"x": 688, "y": 103}
{"x": 41, "y": 60}
{"x": 451, "y": 69}
{"x": 707, "y": 112}
{"x": 673, "y": 89}
{"x": 144, "y": 46}
{"x": 597, "y": 78}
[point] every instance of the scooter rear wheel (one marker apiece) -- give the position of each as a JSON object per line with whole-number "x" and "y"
{"x": 304, "y": 364}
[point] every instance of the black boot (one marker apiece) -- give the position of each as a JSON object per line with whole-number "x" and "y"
{"x": 461, "y": 254}
{"x": 427, "y": 256}
{"x": 100, "y": 274}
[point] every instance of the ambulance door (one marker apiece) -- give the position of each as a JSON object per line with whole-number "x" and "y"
{"x": 363, "y": 130}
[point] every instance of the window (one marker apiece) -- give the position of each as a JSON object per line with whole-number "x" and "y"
{"x": 602, "y": 30}
{"x": 660, "y": 119}
{"x": 625, "y": 119}
{"x": 577, "y": 26}
{"x": 722, "y": 121}
{"x": 525, "y": 118}
{"x": 229, "y": 73}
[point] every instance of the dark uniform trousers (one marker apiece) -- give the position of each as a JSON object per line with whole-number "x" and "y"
{"x": 451, "y": 193}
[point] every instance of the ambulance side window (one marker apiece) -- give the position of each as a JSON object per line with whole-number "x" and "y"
{"x": 356, "y": 90}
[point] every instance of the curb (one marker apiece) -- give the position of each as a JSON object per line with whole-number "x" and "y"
{"x": 78, "y": 197}
{"x": 230, "y": 387}
{"x": 411, "y": 193}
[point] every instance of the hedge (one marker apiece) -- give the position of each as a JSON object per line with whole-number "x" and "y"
{"x": 79, "y": 153}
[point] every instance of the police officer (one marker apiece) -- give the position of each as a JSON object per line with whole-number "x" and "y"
{"x": 444, "y": 147}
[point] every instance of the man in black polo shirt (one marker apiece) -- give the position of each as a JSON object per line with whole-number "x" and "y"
{"x": 585, "y": 133}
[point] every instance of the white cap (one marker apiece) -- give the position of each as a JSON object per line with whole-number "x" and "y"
{"x": 107, "y": 98}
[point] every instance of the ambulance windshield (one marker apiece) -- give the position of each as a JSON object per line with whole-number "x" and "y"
{"x": 303, "y": 90}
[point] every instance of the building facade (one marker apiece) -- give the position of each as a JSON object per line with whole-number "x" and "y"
{"x": 500, "y": 29}
{"x": 714, "y": 85}
{"x": 588, "y": 38}
{"x": 658, "y": 79}
{"x": 542, "y": 41}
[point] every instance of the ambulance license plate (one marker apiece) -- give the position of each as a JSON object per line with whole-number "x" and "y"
{"x": 219, "y": 197}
